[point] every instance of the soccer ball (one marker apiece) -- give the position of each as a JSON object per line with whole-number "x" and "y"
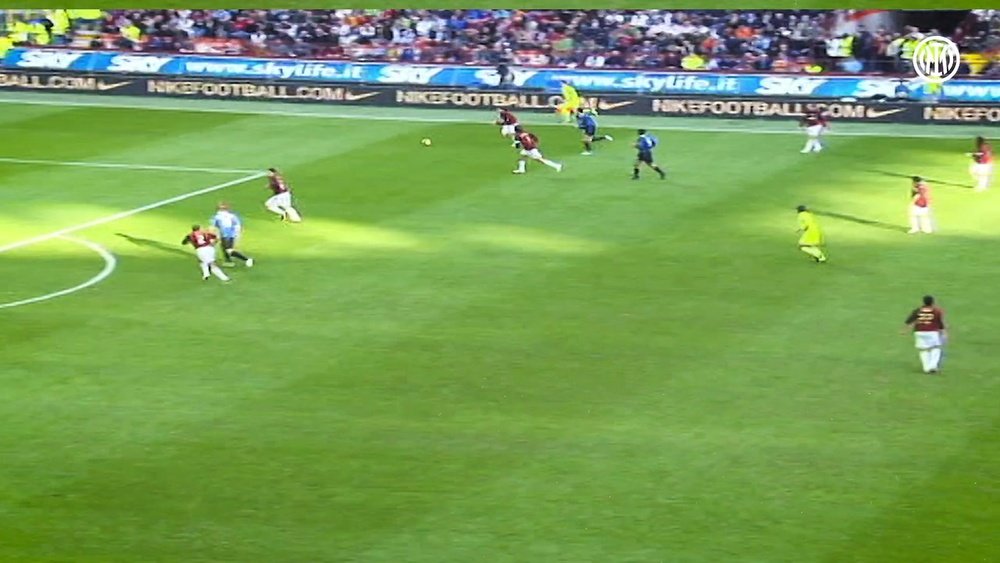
{"x": 425, "y": 142}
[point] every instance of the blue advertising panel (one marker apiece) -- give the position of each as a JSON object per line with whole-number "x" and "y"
{"x": 612, "y": 81}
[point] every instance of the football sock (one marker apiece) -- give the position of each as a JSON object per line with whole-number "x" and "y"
{"x": 238, "y": 254}
{"x": 635, "y": 172}
{"x": 218, "y": 272}
{"x": 601, "y": 138}
{"x": 925, "y": 360}
{"x": 983, "y": 183}
{"x": 587, "y": 146}
{"x": 935, "y": 354}
{"x": 520, "y": 166}
{"x": 550, "y": 163}
{"x": 660, "y": 172}
{"x": 204, "y": 270}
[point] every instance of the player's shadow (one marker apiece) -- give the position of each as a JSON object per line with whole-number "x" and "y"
{"x": 931, "y": 180}
{"x": 860, "y": 220}
{"x": 149, "y": 243}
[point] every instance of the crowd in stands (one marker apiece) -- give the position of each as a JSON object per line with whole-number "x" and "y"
{"x": 780, "y": 41}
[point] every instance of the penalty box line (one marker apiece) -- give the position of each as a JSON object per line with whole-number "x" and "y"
{"x": 129, "y": 213}
{"x": 124, "y": 166}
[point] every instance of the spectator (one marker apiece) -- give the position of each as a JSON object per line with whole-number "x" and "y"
{"x": 760, "y": 41}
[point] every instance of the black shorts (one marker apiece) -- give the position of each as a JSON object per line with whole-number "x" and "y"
{"x": 645, "y": 156}
{"x": 228, "y": 243}
{"x": 590, "y": 131}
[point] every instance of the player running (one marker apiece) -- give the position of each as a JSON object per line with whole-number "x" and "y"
{"x": 230, "y": 227}
{"x": 528, "y": 145}
{"x": 281, "y": 202}
{"x": 586, "y": 121}
{"x": 815, "y": 124}
{"x": 204, "y": 248}
{"x": 571, "y": 102}
{"x": 811, "y": 236}
{"x": 982, "y": 164}
{"x": 927, "y": 323}
{"x": 645, "y": 145}
{"x": 507, "y": 122}
{"x": 920, "y": 207}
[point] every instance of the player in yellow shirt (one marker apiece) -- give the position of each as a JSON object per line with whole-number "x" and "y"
{"x": 811, "y": 236}
{"x": 571, "y": 102}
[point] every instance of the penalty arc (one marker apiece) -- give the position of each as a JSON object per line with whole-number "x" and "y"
{"x": 110, "y": 263}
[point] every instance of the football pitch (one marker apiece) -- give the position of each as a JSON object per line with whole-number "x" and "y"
{"x": 448, "y": 362}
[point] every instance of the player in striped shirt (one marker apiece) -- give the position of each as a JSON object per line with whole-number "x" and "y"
{"x": 204, "y": 248}
{"x": 230, "y": 227}
{"x": 645, "y": 145}
{"x": 586, "y": 121}
{"x": 927, "y": 324}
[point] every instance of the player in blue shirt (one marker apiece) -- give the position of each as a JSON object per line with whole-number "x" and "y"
{"x": 230, "y": 228}
{"x": 645, "y": 145}
{"x": 586, "y": 121}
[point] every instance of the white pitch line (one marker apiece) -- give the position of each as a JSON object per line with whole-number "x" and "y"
{"x": 110, "y": 263}
{"x": 125, "y": 166}
{"x": 129, "y": 213}
{"x": 324, "y": 115}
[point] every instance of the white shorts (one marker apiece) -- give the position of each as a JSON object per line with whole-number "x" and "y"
{"x": 814, "y": 130}
{"x": 978, "y": 170}
{"x": 533, "y": 153}
{"x": 918, "y": 211}
{"x": 206, "y": 254}
{"x": 507, "y": 130}
{"x": 926, "y": 340}
{"x": 280, "y": 200}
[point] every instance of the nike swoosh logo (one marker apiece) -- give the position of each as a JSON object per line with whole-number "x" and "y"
{"x": 613, "y": 105}
{"x": 104, "y": 86}
{"x": 882, "y": 113}
{"x": 351, "y": 97}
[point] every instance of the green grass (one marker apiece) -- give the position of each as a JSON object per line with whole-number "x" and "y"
{"x": 447, "y": 362}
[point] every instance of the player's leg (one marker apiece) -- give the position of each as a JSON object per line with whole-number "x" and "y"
{"x": 981, "y": 174}
{"x": 285, "y": 202}
{"x": 814, "y": 251}
{"x": 227, "y": 250}
{"x": 569, "y": 112}
{"x": 935, "y": 359}
{"x": 588, "y": 146}
{"x": 818, "y": 140}
{"x": 206, "y": 258}
{"x": 521, "y": 163}
{"x": 229, "y": 245}
{"x": 914, "y": 220}
{"x": 217, "y": 272}
{"x": 657, "y": 169}
{"x": 926, "y": 224}
{"x": 812, "y": 139}
{"x": 537, "y": 155}
{"x": 925, "y": 343}
{"x": 273, "y": 204}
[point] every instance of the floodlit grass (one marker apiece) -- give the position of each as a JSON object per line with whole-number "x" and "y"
{"x": 447, "y": 362}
